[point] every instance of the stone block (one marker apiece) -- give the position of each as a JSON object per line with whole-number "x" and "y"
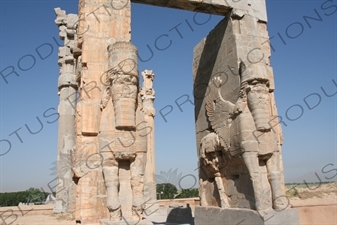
{"x": 255, "y": 8}
{"x": 126, "y": 222}
{"x": 218, "y": 216}
{"x": 90, "y": 115}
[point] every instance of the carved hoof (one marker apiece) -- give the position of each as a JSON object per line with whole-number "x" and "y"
{"x": 224, "y": 204}
{"x": 116, "y": 215}
{"x": 203, "y": 201}
{"x": 137, "y": 213}
{"x": 281, "y": 204}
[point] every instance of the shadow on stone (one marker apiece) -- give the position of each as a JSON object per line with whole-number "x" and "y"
{"x": 180, "y": 215}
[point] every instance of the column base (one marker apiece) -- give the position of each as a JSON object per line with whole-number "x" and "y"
{"x": 59, "y": 207}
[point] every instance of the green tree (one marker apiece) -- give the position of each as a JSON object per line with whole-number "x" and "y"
{"x": 36, "y": 195}
{"x": 166, "y": 191}
{"x": 188, "y": 193}
{"x": 13, "y": 198}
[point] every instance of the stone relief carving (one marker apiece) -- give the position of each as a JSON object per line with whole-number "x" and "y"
{"x": 243, "y": 130}
{"x": 124, "y": 145}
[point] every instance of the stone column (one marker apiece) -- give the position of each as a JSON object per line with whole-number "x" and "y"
{"x": 67, "y": 86}
{"x": 148, "y": 95}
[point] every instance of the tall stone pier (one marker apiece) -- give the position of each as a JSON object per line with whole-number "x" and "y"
{"x": 99, "y": 26}
{"x": 238, "y": 135}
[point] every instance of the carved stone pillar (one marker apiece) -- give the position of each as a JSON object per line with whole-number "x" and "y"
{"x": 148, "y": 95}
{"x": 101, "y": 23}
{"x": 67, "y": 86}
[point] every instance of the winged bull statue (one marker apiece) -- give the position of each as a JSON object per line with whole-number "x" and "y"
{"x": 242, "y": 130}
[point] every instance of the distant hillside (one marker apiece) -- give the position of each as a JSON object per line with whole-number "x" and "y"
{"x": 327, "y": 174}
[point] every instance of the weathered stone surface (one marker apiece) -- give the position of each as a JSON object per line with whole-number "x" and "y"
{"x": 98, "y": 27}
{"x": 215, "y": 215}
{"x": 124, "y": 153}
{"x": 123, "y": 80}
{"x": 147, "y": 95}
{"x": 256, "y": 8}
{"x": 106, "y": 125}
{"x": 67, "y": 86}
{"x": 126, "y": 222}
{"x": 113, "y": 133}
{"x": 239, "y": 149}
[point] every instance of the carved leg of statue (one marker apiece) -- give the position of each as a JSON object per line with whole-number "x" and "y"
{"x": 137, "y": 168}
{"x": 222, "y": 193}
{"x": 252, "y": 163}
{"x": 202, "y": 182}
{"x": 280, "y": 201}
{"x": 110, "y": 172}
{"x": 202, "y": 192}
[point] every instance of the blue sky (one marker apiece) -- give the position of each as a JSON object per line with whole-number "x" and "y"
{"x": 304, "y": 60}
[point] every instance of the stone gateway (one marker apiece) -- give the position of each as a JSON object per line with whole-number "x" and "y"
{"x": 106, "y": 154}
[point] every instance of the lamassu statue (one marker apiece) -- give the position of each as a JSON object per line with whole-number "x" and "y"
{"x": 241, "y": 144}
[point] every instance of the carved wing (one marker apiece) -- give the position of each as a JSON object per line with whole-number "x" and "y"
{"x": 218, "y": 111}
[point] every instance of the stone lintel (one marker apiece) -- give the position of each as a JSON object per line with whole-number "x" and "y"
{"x": 256, "y": 8}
